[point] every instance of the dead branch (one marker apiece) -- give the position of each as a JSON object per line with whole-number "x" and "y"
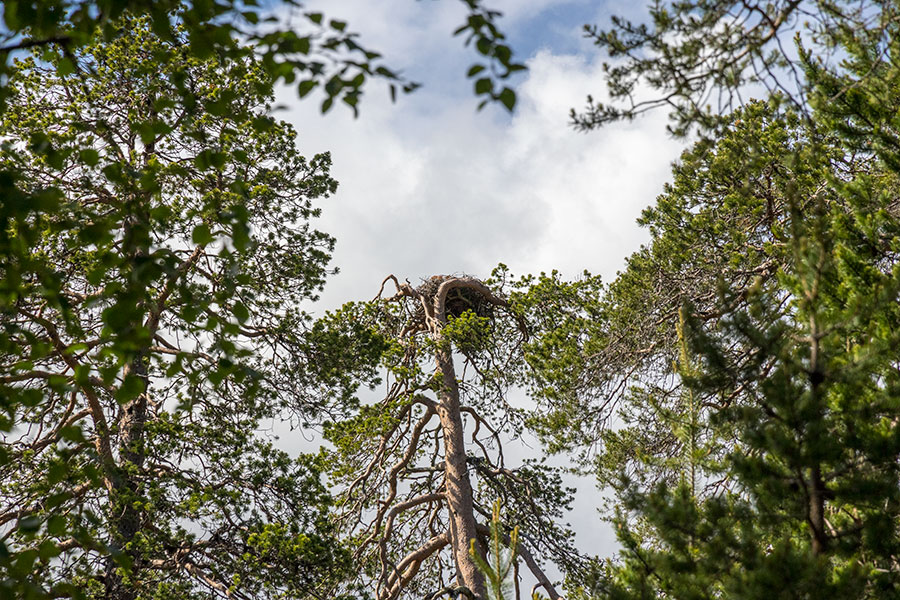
{"x": 479, "y": 420}
{"x": 392, "y": 476}
{"x": 389, "y": 526}
{"x": 381, "y": 289}
{"x": 409, "y": 566}
{"x": 101, "y": 427}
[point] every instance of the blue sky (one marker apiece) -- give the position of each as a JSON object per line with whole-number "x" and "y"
{"x": 431, "y": 186}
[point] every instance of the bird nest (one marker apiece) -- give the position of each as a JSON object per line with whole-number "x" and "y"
{"x": 458, "y": 300}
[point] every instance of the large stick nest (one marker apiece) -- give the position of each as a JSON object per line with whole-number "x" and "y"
{"x": 459, "y": 300}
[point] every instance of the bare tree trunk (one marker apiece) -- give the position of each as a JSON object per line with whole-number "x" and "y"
{"x": 460, "y": 500}
{"x": 458, "y": 493}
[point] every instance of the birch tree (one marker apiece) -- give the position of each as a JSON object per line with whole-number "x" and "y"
{"x": 136, "y": 463}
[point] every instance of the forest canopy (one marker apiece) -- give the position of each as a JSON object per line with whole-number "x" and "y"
{"x": 733, "y": 390}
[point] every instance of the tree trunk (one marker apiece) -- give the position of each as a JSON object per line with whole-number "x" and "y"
{"x": 127, "y": 519}
{"x": 816, "y": 511}
{"x": 460, "y": 501}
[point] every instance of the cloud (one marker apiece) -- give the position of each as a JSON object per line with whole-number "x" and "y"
{"x": 431, "y": 186}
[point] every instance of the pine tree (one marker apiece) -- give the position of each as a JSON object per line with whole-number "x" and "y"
{"x": 806, "y": 415}
{"x": 419, "y": 470}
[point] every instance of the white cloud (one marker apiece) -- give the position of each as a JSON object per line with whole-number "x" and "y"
{"x": 431, "y": 186}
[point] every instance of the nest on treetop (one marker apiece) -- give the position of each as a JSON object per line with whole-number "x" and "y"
{"x": 458, "y": 300}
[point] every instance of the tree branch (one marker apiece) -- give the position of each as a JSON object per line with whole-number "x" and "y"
{"x": 533, "y": 566}
{"x": 409, "y": 566}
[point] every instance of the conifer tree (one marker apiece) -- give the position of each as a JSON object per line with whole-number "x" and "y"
{"x": 778, "y": 239}
{"x": 797, "y": 376}
{"x": 418, "y": 471}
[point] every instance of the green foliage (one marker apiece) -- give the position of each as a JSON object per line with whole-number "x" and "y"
{"x": 389, "y": 456}
{"x": 702, "y": 59}
{"x": 790, "y": 361}
{"x": 123, "y": 146}
{"x": 499, "y": 567}
{"x": 340, "y": 351}
{"x": 723, "y": 221}
{"x": 778, "y": 241}
{"x": 468, "y": 332}
{"x": 481, "y": 32}
{"x": 321, "y": 54}
{"x": 179, "y": 248}
{"x": 561, "y": 319}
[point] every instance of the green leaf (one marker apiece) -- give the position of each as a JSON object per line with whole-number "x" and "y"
{"x": 47, "y": 550}
{"x": 72, "y": 433}
{"x": 56, "y": 525}
{"x": 475, "y": 70}
{"x": 89, "y": 156}
{"x": 57, "y": 472}
{"x": 65, "y": 67}
{"x": 25, "y": 562}
{"x": 508, "y": 98}
{"x": 484, "y": 86}
{"x": 29, "y": 524}
{"x": 263, "y": 123}
{"x": 10, "y": 15}
{"x": 132, "y": 387}
{"x": 306, "y": 86}
{"x": 240, "y": 312}
{"x": 201, "y": 235}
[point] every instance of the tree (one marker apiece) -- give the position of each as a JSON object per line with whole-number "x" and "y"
{"x": 702, "y": 59}
{"x": 418, "y": 471}
{"x": 327, "y": 56}
{"x": 777, "y": 242}
{"x": 723, "y": 221}
{"x": 324, "y": 54}
{"x": 809, "y": 417}
{"x": 179, "y": 247}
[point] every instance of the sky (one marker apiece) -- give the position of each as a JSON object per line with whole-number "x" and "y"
{"x": 429, "y": 185}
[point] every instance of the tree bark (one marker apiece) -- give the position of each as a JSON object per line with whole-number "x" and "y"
{"x": 460, "y": 499}
{"x": 816, "y": 511}
{"x": 127, "y": 518}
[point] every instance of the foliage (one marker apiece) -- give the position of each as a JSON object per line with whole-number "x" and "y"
{"x": 811, "y": 501}
{"x": 721, "y": 222}
{"x": 177, "y": 247}
{"x": 499, "y": 566}
{"x": 773, "y": 272}
{"x": 702, "y": 59}
{"x": 326, "y": 57}
{"x": 787, "y": 275}
{"x": 324, "y": 54}
{"x": 432, "y": 449}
